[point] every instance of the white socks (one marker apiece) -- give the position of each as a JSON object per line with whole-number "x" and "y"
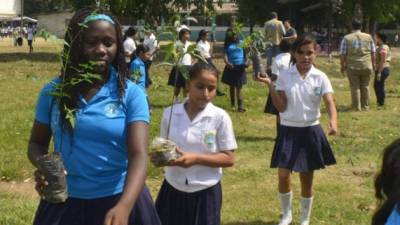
{"x": 305, "y": 210}
{"x": 286, "y": 205}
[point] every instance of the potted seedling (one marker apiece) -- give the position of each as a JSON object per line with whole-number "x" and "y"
{"x": 51, "y": 164}
{"x": 163, "y": 151}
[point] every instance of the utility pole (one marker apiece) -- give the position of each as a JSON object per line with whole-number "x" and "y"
{"x": 22, "y": 15}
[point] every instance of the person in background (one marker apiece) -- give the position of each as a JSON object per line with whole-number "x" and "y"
{"x": 383, "y": 58}
{"x": 274, "y": 32}
{"x": 234, "y": 73}
{"x": 177, "y": 77}
{"x": 151, "y": 42}
{"x": 290, "y": 34}
{"x": 29, "y": 37}
{"x": 204, "y": 48}
{"x": 357, "y": 59}
{"x": 130, "y": 45}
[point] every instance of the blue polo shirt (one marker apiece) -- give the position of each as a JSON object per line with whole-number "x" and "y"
{"x": 394, "y": 218}
{"x": 95, "y": 153}
{"x": 235, "y": 54}
{"x": 138, "y": 65}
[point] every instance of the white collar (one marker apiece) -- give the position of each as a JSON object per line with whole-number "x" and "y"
{"x": 312, "y": 71}
{"x": 208, "y": 111}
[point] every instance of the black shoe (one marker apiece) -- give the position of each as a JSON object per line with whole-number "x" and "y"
{"x": 241, "y": 110}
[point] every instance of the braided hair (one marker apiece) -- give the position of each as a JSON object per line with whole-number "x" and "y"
{"x": 72, "y": 58}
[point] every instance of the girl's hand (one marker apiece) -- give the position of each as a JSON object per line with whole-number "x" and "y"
{"x": 187, "y": 159}
{"x": 41, "y": 182}
{"x": 118, "y": 215}
{"x": 333, "y": 129}
{"x": 264, "y": 79}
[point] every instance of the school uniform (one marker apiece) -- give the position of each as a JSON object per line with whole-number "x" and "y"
{"x": 394, "y": 217}
{"x": 280, "y": 63}
{"x": 95, "y": 154}
{"x": 129, "y": 48}
{"x": 151, "y": 42}
{"x": 235, "y": 76}
{"x": 138, "y": 65}
{"x": 176, "y": 77}
{"x": 193, "y": 195}
{"x": 302, "y": 145}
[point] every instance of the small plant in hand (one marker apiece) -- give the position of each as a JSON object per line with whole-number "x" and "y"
{"x": 50, "y": 165}
{"x": 163, "y": 151}
{"x": 52, "y": 168}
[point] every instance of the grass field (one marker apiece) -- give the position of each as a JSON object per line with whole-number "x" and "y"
{"x": 343, "y": 193}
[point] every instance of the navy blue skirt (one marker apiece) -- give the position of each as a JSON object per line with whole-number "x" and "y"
{"x": 175, "y": 207}
{"x": 235, "y": 76}
{"x": 302, "y": 149}
{"x": 177, "y": 80}
{"x": 92, "y": 212}
{"x": 269, "y": 107}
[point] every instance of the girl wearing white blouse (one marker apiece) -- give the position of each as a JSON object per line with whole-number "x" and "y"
{"x": 301, "y": 145}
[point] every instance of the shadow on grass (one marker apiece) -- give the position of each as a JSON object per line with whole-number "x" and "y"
{"x": 34, "y": 57}
{"x": 254, "y": 138}
{"x": 257, "y": 222}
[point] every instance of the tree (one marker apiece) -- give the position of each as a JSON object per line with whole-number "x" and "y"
{"x": 32, "y": 7}
{"x": 151, "y": 11}
{"x": 255, "y": 11}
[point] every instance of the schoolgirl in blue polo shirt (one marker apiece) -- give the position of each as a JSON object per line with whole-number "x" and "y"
{"x": 387, "y": 187}
{"x": 138, "y": 72}
{"x": 301, "y": 145}
{"x": 234, "y": 73}
{"x": 191, "y": 192}
{"x": 104, "y": 152}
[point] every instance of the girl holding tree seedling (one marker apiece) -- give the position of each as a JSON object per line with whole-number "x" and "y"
{"x": 176, "y": 77}
{"x": 234, "y": 73}
{"x": 301, "y": 145}
{"x": 203, "y": 133}
{"x": 98, "y": 120}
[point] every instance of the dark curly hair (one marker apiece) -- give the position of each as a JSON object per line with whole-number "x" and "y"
{"x": 72, "y": 58}
{"x": 387, "y": 184}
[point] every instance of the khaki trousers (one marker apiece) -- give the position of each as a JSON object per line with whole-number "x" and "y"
{"x": 359, "y": 86}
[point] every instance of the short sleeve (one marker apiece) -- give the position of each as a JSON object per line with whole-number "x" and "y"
{"x": 225, "y": 135}
{"x": 280, "y": 84}
{"x": 326, "y": 86}
{"x": 137, "y": 108}
{"x": 275, "y": 68}
{"x": 44, "y": 103}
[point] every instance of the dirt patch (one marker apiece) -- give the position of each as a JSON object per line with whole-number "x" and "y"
{"x": 26, "y": 188}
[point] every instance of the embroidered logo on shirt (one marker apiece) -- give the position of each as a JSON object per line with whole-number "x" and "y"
{"x": 317, "y": 91}
{"x": 111, "y": 109}
{"x": 209, "y": 139}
